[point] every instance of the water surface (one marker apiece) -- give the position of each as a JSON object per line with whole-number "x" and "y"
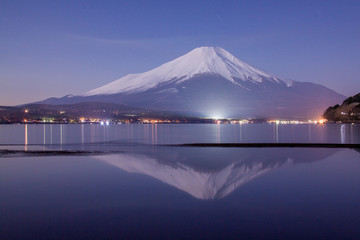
{"x": 137, "y": 190}
{"x": 178, "y": 133}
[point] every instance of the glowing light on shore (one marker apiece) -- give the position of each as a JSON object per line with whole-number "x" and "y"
{"x": 322, "y": 121}
{"x": 243, "y": 121}
{"x": 217, "y": 116}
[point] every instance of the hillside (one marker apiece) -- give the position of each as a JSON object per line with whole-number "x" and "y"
{"x": 348, "y": 111}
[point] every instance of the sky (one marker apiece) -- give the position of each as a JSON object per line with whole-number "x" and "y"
{"x": 55, "y": 48}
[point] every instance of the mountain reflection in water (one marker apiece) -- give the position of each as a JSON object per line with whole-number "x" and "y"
{"x": 212, "y": 173}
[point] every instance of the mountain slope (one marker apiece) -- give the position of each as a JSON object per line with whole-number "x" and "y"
{"x": 210, "y": 81}
{"x": 202, "y": 60}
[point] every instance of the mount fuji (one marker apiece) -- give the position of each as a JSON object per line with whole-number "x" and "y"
{"x": 209, "y": 81}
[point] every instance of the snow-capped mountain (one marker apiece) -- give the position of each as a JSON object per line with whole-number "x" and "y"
{"x": 209, "y": 81}
{"x": 202, "y": 60}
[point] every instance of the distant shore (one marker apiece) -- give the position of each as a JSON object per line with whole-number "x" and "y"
{"x": 179, "y": 122}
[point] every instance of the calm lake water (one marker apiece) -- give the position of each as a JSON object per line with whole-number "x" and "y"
{"x": 63, "y": 134}
{"x": 138, "y": 189}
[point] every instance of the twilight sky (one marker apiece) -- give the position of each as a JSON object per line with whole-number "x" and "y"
{"x": 54, "y": 48}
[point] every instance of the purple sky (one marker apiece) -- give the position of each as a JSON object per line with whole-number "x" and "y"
{"x": 54, "y": 48}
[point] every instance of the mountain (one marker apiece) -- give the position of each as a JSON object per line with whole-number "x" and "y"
{"x": 348, "y": 111}
{"x": 210, "y": 173}
{"x": 209, "y": 81}
{"x": 200, "y": 61}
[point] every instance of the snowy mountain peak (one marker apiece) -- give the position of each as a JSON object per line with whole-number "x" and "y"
{"x": 219, "y": 61}
{"x": 201, "y": 60}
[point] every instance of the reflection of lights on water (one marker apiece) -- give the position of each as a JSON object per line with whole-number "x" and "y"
{"x": 107, "y": 122}
{"x": 51, "y": 137}
{"x": 218, "y": 132}
{"x": 44, "y": 135}
{"x": 240, "y": 135}
{"x": 26, "y": 138}
{"x": 61, "y": 134}
{"x": 342, "y": 133}
{"x": 276, "y": 131}
{"x": 82, "y": 133}
{"x": 154, "y": 133}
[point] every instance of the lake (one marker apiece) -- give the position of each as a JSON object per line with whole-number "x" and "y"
{"x": 135, "y": 186}
{"x": 68, "y": 134}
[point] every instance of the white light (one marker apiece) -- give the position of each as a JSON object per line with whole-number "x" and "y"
{"x": 107, "y": 123}
{"x": 217, "y": 116}
{"x": 102, "y": 123}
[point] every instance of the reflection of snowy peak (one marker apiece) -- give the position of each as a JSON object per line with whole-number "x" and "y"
{"x": 200, "y": 184}
{"x": 209, "y": 173}
{"x": 202, "y": 60}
